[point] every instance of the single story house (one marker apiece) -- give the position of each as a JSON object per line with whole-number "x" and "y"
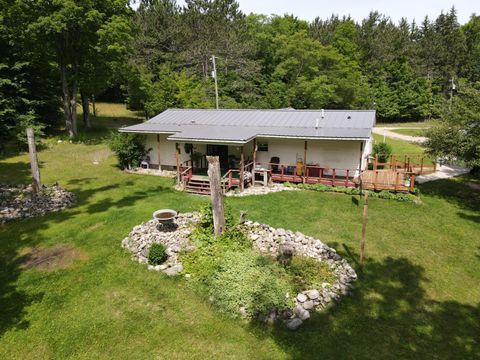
{"x": 283, "y": 145}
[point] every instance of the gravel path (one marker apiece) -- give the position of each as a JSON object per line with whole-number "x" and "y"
{"x": 387, "y": 132}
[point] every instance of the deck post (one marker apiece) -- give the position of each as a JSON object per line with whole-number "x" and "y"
{"x": 412, "y": 183}
{"x": 305, "y": 161}
{"x": 242, "y": 161}
{"x": 158, "y": 153}
{"x": 254, "y": 157}
{"x": 434, "y": 166}
{"x": 397, "y": 180}
{"x": 333, "y": 177}
{"x": 394, "y": 161}
{"x": 32, "y": 149}
{"x": 177, "y": 160}
{"x": 375, "y": 164}
{"x": 375, "y": 181}
{"x": 421, "y": 166}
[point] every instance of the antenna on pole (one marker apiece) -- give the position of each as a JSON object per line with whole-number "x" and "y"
{"x": 214, "y": 75}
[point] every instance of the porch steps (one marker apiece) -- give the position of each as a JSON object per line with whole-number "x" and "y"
{"x": 198, "y": 185}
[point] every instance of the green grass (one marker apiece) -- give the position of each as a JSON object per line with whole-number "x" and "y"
{"x": 402, "y": 148}
{"x": 410, "y": 132}
{"x": 410, "y": 124}
{"x": 417, "y": 297}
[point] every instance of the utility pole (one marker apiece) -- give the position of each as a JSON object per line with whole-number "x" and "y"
{"x": 214, "y": 74}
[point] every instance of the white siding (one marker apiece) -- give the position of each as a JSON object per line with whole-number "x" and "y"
{"x": 339, "y": 154}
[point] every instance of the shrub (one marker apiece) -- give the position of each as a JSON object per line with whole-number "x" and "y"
{"x": 244, "y": 278}
{"x": 383, "y": 150}
{"x": 128, "y": 147}
{"x": 308, "y": 273}
{"x": 157, "y": 254}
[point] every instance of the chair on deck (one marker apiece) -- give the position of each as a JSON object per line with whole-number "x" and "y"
{"x": 274, "y": 161}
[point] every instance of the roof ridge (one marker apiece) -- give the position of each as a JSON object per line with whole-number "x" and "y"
{"x": 276, "y": 110}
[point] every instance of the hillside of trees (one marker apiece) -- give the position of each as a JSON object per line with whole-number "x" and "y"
{"x": 59, "y": 55}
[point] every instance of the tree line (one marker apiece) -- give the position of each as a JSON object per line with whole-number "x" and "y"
{"x": 58, "y": 55}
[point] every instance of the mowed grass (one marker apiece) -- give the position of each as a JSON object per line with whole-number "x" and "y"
{"x": 408, "y": 124}
{"x": 404, "y": 148}
{"x": 417, "y": 296}
{"x": 410, "y": 132}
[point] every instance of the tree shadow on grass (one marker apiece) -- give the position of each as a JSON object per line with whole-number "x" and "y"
{"x": 387, "y": 317}
{"x": 15, "y": 173}
{"x": 453, "y": 191}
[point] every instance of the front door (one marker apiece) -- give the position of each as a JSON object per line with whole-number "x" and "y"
{"x": 221, "y": 151}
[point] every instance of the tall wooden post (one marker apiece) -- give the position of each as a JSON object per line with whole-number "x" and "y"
{"x": 216, "y": 191}
{"x": 177, "y": 160}
{"x": 254, "y": 157}
{"x": 364, "y": 228}
{"x": 242, "y": 168}
{"x": 305, "y": 161}
{"x": 158, "y": 153}
{"x": 32, "y": 149}
{"x": 412, "y": 183}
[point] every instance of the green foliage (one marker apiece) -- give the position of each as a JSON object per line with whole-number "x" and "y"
{"x": 244, "y": 278}
{"x": 128, "y": 147}
{"x": 386, "y": 195}
{"x": 382, "y": 150}
{"x": 457, "y": 136}
{"x": 157, "y": 254}
{"x": 25, "y": 121}
{"x": 308, "y": 273}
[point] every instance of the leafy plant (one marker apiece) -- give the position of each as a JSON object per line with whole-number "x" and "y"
{"x": 128, "y": 147}
{"x": 246, "y": 279}
{"x": 157, "y": 254}
{"x": 308, "y": 273}
{"x": 383, "y": 151}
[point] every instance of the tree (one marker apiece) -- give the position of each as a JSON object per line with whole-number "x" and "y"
{"x": 457, "y": 137}
{"x": 72, "y": 29}
{"x": 28, "y": 82}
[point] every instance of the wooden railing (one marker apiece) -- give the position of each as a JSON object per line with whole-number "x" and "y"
{"x": 414, "y": 164}
{"x": 309, "y": 174}
{"x": 228, "y": 180}
{"x": 397, "y": 181}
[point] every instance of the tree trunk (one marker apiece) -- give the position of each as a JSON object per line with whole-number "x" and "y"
{"x": 32, "y": 149}
{"x": 86, "y": 110}
{"x": 218, "y": 209}
{"x": 69, "y": 101}
{"x": 94, "y": 106}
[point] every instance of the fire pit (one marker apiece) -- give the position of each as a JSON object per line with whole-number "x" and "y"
{"x": 165, "y": 216}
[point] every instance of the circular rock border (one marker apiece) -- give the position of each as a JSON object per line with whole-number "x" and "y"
{"x": 264, "y": 238}
{"x": 19, "y": 202}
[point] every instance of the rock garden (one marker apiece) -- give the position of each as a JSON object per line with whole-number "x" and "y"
{"x": 252, "y": 270}
{"x": 18, "y": 202}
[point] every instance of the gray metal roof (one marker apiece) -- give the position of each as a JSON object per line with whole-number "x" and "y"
{"x": 240, "y": 126}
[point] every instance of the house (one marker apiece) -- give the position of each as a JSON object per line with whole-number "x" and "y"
{"x": 312, "y": 146}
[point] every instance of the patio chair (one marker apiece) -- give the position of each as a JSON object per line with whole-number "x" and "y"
{"x": 145, "y": 164}
{"x": 274, "y": 161}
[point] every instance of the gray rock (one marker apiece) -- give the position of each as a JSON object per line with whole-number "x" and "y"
{"x": 308, "y": 305}
{"x": 301, "y": 297}
{"x": 174, "y": 270}
{"x": 294, "y": 324}
{"x": 313, "y": 294}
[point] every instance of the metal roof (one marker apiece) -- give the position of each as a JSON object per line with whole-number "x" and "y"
{"x": 240, "y": 126}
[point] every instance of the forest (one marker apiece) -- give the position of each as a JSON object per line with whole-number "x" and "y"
{"x": 59, "y": 55}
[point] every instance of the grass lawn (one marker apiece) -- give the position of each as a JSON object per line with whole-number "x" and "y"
{"x": 410, "y": 132}
{"x": 402, "y": 148}
{"x": 417, "y": 297}
{"x": 410, "y": 124}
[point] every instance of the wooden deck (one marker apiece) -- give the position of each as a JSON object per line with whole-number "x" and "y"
{"x": 389, "y": 180}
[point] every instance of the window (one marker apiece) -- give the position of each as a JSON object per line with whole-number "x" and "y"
{"x": 262, "y": 147}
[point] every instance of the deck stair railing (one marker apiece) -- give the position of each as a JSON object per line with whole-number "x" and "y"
{"x": 413, "y": 164}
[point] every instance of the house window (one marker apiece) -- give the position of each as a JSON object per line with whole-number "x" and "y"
{"x": 262, "y": 147}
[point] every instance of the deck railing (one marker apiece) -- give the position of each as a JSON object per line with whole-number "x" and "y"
{"x": 414, "y": 164}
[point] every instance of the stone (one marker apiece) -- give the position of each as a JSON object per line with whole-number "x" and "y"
{"x": 287, "y": 314}
{"x": 313, "y": 294}
{"x": 308, "y": 305}
{"x": 301, "y": 312}
{"x": 301, "y": 297}
{"x": 174, "y": 270}
{"x": 294, "y": 324}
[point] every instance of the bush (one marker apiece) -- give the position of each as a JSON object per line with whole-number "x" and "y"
{"x": 383, "y": 150}
{"x": 386, "y": 195}
{"x": 157, "y": 254}
{"x": 128, "y": 147}
{"x": 308, "y": 273}
{"x": 247, "y": 279}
